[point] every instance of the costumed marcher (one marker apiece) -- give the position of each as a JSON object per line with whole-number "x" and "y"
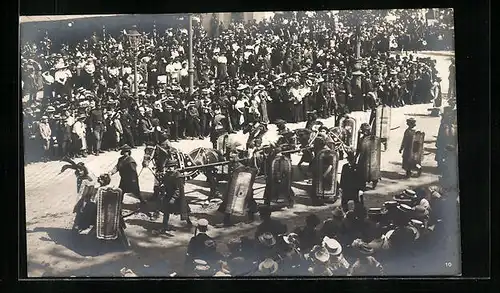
{"x": 127, "y": 168}
{"x": 350, "y": 183}
{"x": 321, "y": 170}
{"x": 406, "y": 148}
{"x": 219, "y": 127}
{"x": 173, "y": 200}
{"x": 85, "y": 210}
{"x": 256, "y": 132}
{"x": 250, "y": 204}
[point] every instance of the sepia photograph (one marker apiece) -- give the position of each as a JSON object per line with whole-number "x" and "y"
{"x": 241, "y": 144}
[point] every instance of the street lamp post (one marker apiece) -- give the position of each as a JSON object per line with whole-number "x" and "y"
{"x": 356, "y": 72}
{"x": 134, "y": 38}
{"x": 191, "y": 65}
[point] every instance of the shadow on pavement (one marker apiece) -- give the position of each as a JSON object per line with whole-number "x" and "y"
{"x": 199, "y": 183}
{"x": 391, "y": 175}
{"x": 430, "y": 150}
{"x": 84, "y": 245}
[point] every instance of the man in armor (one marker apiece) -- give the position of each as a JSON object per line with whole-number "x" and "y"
{"x": 281, "y": 125}
{"x": 257, "y": 131}
{"x": 219, "y": 127}
{"x": 251, "y": 205}
{"x": 173, "y": 200}
{"x": 317, "y": 174}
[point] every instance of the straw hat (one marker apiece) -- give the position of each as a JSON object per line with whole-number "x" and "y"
{"x": 268, "y": 266}
{"x": 332, "y": 246}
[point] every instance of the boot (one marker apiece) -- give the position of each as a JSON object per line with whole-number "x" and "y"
{"x": 408, "y": 174}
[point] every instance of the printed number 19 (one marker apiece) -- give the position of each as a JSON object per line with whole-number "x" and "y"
{"x": 447, "y": 264}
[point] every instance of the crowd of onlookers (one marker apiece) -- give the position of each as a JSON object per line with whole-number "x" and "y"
{"x": 79, "y": 99}
{"x": 409, "y": 235}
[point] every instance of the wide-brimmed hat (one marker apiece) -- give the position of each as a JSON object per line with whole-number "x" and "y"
{"x": 291, "y": 238}
{"x": 268, "y": 266}
{"x": 333, "y": 246}
{"x": 50, "y": 109}
{"x": 201, "y": 266}
{"x": 125, "y": 148}
{"x": 320, "y": 254}
{"x": 364, "y": 248}
{"x": 309, "y": 82}
{"x": 242, "y": 87}
{"x": 411, "y": 120}
{"x": 267, "y": 239}
{"x": 405, "y": 208}
{"x": 374, "y": 211}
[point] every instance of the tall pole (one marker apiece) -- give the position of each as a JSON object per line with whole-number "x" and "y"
{"x": 191, "y": 65}
{"x": 358, "y": 96}
{"x": 135, "y": 72}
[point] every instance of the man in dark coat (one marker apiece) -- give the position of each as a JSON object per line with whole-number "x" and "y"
{"x": 97, "y": 127}
{"x": 269, "y": 225}
{"x": 127, "y": 125}
{"x": 127, "y": 167}
{"x": 201, "y": 246}
{"x": 405, "y": 149}
{"x": 350, "y": 182}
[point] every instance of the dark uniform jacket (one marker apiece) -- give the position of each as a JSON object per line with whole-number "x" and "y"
{"x": 129, "y": 182}
{"x": 272, "y": 226}
{"x": 96, "y": 119}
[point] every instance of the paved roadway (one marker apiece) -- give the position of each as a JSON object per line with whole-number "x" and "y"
{"x": 50, "y": 198}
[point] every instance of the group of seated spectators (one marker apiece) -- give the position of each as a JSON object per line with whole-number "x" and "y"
{"x": 79, "y": 99}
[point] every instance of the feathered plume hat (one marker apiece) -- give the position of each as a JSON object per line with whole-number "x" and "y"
{"x": 80, "y": 167}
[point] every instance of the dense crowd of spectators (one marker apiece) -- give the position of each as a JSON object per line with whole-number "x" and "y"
{"x": 407, "y": 236}
{"x": 79, "y": 99}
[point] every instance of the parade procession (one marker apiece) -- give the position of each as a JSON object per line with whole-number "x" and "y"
{"x": 263, "y": 144}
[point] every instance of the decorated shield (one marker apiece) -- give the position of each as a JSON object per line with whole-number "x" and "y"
{"x": 351, "y": 127}
{"x": 109, "y": 207}
{"x": 382, "y": 122}
{"x": 240, "y": 190}
{"x": 327, "y": 185}
{"x": 369, "y": 158}
{"x": 280, "y": 178}
{"x": 417, "y": 147}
